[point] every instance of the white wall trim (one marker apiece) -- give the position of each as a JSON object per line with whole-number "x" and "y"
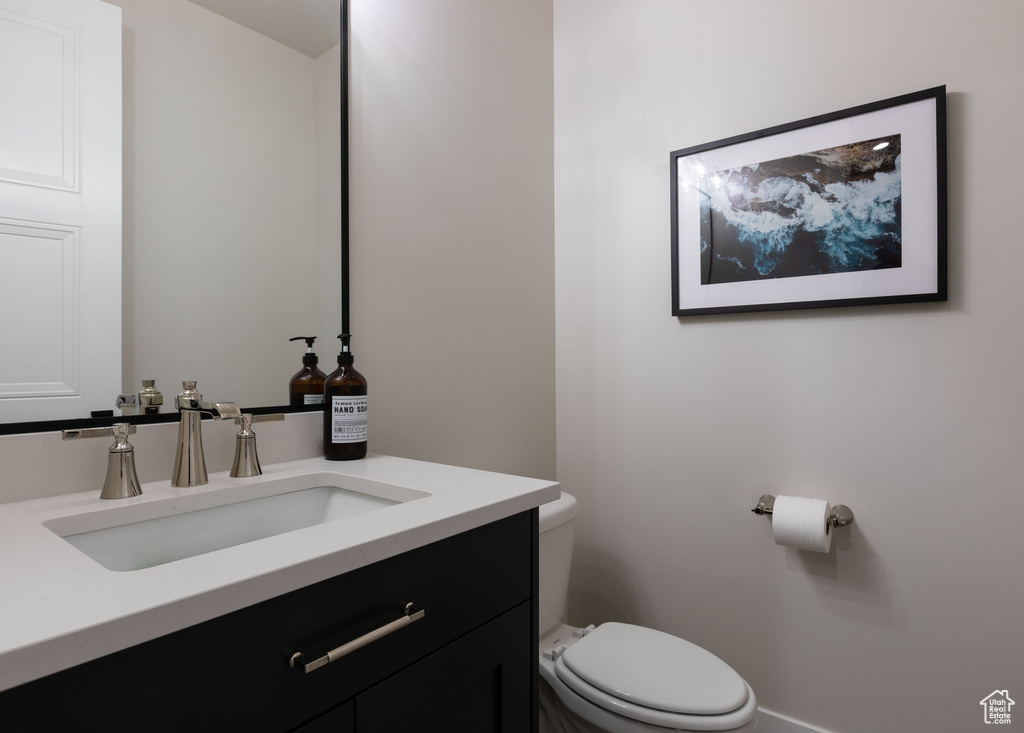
{"x": 769, "y": 722}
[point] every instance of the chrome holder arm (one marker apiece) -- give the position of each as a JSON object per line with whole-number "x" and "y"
{"x": 336, "y": 654}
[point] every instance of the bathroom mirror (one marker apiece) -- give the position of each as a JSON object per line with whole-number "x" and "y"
{"x": 232, "y": 194}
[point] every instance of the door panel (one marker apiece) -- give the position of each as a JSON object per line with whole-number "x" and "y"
{"x": 60, "y": 208}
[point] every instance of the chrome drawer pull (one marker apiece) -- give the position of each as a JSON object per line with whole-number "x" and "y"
{"x": 336, "y": 654}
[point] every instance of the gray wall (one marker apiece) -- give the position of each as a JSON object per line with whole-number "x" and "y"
{"x": 452, "y": 230}
{"x": 210, "y": 177}
{"x": 669, "y": 430}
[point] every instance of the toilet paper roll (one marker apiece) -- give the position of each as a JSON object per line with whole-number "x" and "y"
{"x": 802, "y": 523}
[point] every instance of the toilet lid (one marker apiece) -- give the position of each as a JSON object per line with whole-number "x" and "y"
{"x": 655, "y": 670}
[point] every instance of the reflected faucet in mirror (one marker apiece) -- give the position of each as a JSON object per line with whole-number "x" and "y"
{"x": 189, "y": 461}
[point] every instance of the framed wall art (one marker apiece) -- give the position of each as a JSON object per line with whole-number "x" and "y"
{"x": 847, "y": 208}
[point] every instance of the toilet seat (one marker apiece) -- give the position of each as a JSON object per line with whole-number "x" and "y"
{"x": 655, "y": 678}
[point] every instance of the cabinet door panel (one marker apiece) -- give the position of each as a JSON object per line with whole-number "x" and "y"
{"x": 477, "y": 684}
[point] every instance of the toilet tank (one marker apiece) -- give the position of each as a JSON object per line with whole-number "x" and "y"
{"x": 557, "y": 526}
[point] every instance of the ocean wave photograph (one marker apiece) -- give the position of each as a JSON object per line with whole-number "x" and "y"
{"x": 829, "y": 211}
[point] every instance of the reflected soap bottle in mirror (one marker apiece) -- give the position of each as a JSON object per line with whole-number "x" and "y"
{"x": 345, "y": 414}
{"x": 307, "y": 385}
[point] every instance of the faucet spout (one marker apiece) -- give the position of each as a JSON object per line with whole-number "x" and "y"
{"x": 189, "y": 460}
{"x": 219, "y": 410}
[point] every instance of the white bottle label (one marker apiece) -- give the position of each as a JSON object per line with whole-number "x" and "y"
{"x": 348, "y": 419}
{"x": 312, "y": 399}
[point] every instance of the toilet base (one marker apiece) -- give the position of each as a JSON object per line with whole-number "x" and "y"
{"x": 555, "y": 717}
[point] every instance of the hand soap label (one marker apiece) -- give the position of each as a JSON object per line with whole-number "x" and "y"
{"x": 348, "y": 419}
{"x": 312, "y": 399}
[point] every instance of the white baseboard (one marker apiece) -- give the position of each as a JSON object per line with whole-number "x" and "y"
{"x": 769, "y": 722}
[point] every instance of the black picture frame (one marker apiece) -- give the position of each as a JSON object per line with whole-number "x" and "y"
{"x": 842, "y": 209}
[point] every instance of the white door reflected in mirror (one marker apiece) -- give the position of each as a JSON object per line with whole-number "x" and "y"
{"x": 60, "y": 208}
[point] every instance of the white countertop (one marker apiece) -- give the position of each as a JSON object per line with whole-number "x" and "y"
{"x": 60, "y": 608}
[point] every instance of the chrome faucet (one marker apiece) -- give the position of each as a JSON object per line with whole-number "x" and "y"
{"x": 189, "y": 461}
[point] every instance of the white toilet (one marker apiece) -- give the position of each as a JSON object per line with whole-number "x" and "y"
{"x": 622, "y": 678}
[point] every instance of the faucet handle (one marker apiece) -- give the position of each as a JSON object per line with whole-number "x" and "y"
{"x": 122, "y": 429}
{"x": 122, "y": 481}
{"x": 247, "y": 463}
{"x": 245, "y": 419}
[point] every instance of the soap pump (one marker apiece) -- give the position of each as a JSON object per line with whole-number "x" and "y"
{"x": 307, "y": 386}
{"x": 345, "y": 415}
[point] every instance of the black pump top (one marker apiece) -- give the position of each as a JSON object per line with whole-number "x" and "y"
{"x": 309, "y": 357}
{"x": 345, "y": 357}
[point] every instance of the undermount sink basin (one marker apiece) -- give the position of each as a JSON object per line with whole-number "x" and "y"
{"x": 130, "y": 543}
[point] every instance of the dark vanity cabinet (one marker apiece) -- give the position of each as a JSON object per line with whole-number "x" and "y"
{"x": 468, "y": 664}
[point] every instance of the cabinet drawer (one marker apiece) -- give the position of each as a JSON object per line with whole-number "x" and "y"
{"x": 234, "y": 670}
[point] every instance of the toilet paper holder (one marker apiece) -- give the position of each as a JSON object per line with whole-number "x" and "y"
{"x": 841, "y": 514}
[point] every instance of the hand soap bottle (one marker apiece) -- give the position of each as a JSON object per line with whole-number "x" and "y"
{"x": 307, "y": 386}
{"x": 345, "y": 423}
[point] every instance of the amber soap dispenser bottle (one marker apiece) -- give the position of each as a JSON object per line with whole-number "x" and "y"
{"x": 345, "y": 416}
{"x": 307, "y": 385}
